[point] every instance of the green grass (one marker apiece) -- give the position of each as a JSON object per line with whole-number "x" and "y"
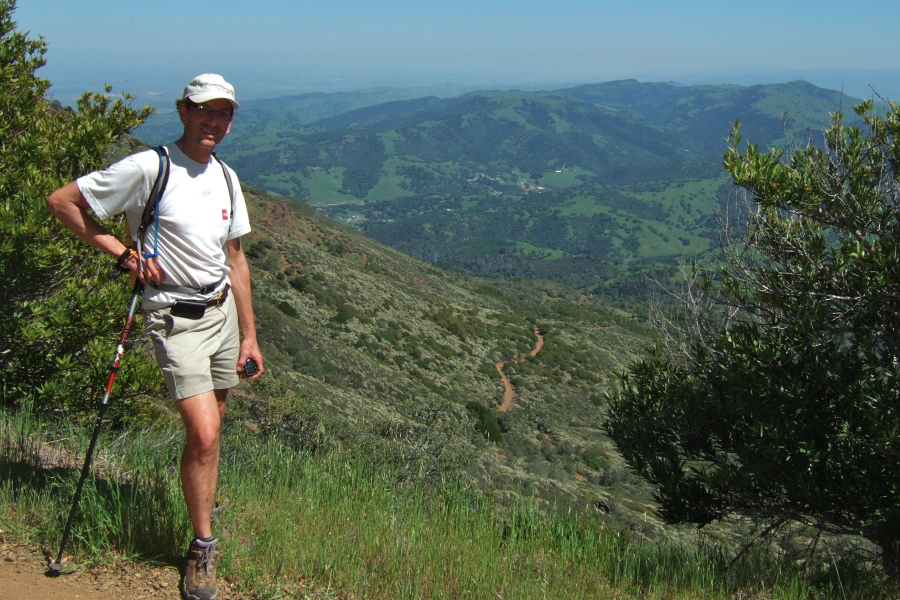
{"x": 695, "y": 196}
{"x": 324, "y": 187}
{"x": 339, "y": 526}
{"x": 562, "y": 178}
{"x": 583, "y": 206}
{"x": 265, "y": 138}
{"x": 547, "y": 253}
{"x": 388, "y": 186}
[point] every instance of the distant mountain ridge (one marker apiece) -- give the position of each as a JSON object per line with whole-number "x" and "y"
{"x": 525, "y": 182}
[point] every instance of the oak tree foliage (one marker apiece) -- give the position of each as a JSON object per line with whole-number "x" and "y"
{"x": 62, "y": 304}
{"x": 783, "y": 404}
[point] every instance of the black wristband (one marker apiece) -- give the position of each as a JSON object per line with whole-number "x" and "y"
{"x": 120, "y": 264}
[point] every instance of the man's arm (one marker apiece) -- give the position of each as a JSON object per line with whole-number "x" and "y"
{"x": 69, "y": 205}
{"x": 243, "y": 299}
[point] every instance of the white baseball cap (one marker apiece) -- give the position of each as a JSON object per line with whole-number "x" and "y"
{"x": 209, "y": 86}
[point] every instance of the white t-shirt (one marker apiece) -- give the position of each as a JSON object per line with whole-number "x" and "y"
{"x": 193, "y": 217}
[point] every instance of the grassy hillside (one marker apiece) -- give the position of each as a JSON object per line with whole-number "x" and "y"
{"x": 371, "y": 460}
{"x": 301, "y": 524}
{"x": 400, "y": 356}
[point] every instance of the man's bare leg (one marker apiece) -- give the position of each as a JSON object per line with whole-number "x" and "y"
{"x": 202, "y": 415}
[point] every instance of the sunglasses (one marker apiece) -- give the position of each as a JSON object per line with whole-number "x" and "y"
{"x": 206, "y": 111}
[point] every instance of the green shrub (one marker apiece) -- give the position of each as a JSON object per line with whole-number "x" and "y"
{"x": 299, "y": 283}
{"x": 63, "y": 305}
{"x": 287, "y": 309}
{"x": 486, "y": 419}
{"x": 344, "y": 314}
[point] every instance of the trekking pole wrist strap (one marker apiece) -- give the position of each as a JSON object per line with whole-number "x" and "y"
{"x": 128, "y": 253}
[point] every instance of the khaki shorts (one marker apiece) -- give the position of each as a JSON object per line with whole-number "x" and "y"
{"x": 196, "y": 355}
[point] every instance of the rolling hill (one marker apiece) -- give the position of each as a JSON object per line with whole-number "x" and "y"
{"x": 572, "y": 185}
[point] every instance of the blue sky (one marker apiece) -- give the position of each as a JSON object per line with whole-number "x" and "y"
{"x": 299, "y": 45}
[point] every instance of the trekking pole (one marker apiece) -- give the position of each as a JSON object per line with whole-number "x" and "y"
{"x": 55, "y": 568}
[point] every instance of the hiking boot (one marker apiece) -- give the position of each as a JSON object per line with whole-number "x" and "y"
{"x": 199, "y": 582}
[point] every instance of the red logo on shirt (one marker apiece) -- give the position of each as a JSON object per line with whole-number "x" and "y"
{"x": 224, "y": 214}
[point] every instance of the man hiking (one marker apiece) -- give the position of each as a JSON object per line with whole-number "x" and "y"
{"x": 197, "y": 302}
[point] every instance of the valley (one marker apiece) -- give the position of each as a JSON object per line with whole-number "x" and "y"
{"x": 592, "y": 187}
{"x": 386, "y": 352}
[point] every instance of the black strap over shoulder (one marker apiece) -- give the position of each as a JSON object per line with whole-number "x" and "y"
{"x": 159, "y": 187}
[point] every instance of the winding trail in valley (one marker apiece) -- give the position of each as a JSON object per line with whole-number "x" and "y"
{"x": 509, "y": 394}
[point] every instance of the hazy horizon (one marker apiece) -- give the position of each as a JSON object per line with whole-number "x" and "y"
{"x": 285, "y": 47}
{"x": 161, "y": 90}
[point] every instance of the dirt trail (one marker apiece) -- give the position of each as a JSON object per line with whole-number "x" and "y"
{"x": 509, "y": 394}
{"x": 23, "y": 576}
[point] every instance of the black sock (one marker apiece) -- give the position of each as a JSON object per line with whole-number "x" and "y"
{"x": 206, "y": 540}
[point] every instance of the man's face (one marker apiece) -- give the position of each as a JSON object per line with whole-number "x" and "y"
{"x": 206, "y": 124}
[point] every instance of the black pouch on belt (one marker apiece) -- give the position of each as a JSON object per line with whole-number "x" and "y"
{"x": 189, "y": 309}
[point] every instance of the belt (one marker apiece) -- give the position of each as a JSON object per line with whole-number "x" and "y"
{"x": 220, "y": 299}
{"x": 180, "y": 289}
